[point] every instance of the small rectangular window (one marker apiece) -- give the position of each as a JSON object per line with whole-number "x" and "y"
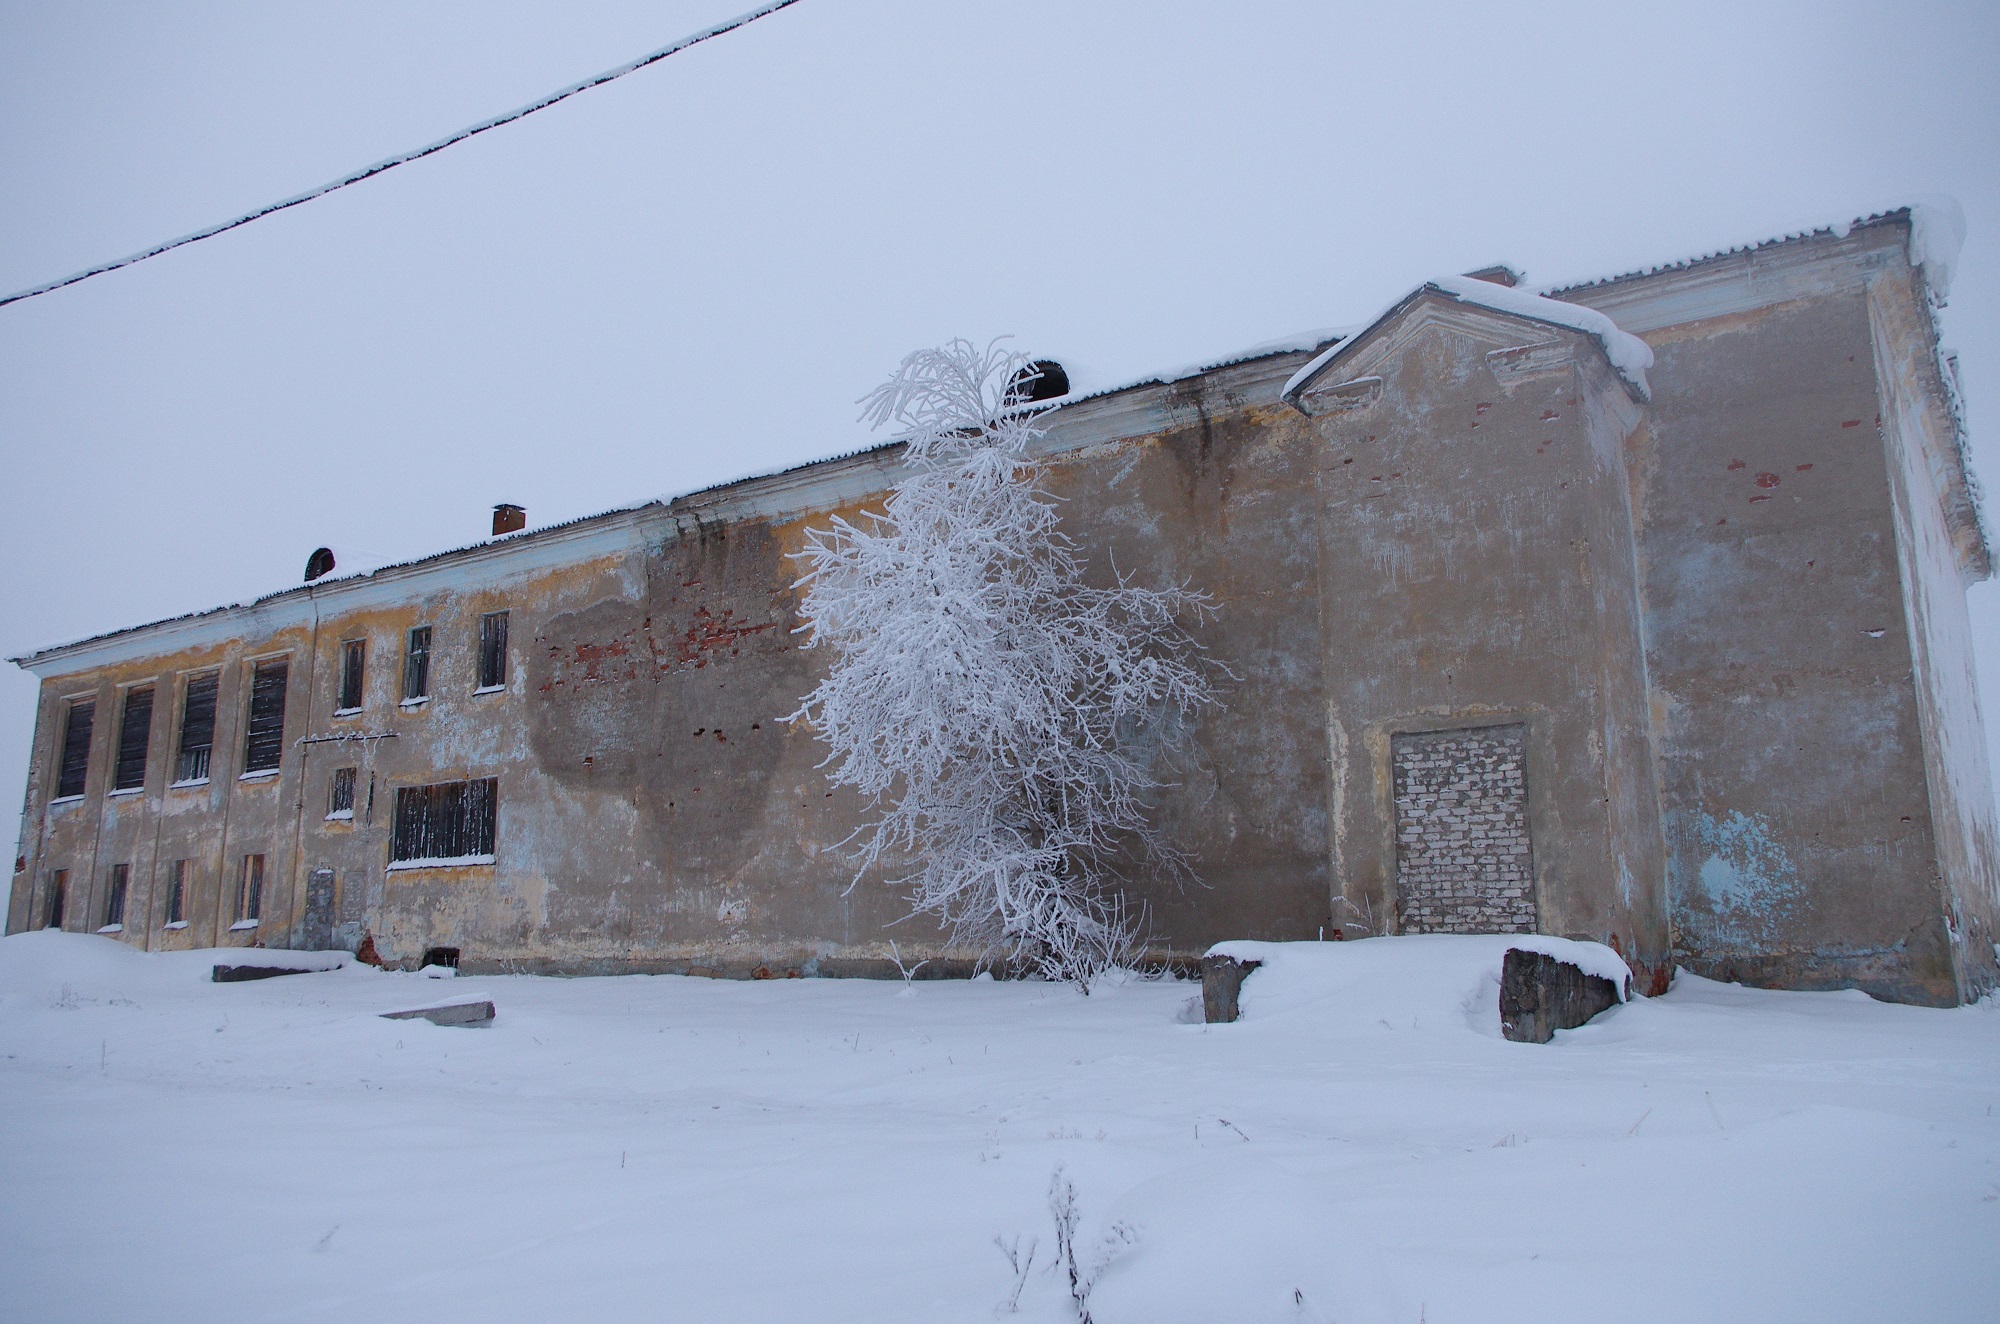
{"x": 177, "y": 893}
{"x": 417, "y": 665}
{"x": 197, "y": 728}
{"x": 264, "y": 743}
{"x": 135, "y": 733}
{"x": 353, "y": 666}
{"x": 250, "y": 892}
{"x": 449, "y": 823}
{"x": 114, "y": 899}
{"x": 493, "y": 650}
{"x": 58, "y": 893}
{"x": 340, "y": 798}
{"x": 74, "y": 771}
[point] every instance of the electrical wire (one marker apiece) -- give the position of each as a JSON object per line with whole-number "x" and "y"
{"x": 404, "y": 158}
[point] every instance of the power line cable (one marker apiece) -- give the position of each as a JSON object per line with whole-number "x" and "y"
{"x": 390, "y": 163}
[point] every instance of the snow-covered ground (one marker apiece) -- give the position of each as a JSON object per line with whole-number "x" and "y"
{"x": 1362, "y": 1146}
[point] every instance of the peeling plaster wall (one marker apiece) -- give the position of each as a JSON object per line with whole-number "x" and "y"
{"x": 1478, "y": 569}
{"x": 1918, "y": 439}
{"x": 1730, "y": 624}
{"x": 1798, "y": 810}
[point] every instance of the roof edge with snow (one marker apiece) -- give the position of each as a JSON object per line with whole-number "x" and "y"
{"x": 1628, "y": 355}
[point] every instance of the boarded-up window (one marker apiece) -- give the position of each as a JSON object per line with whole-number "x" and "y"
{"x": 492, "y": 650}
{"x": 197, "y": 728}
{"x": 135, "y": 731}
{"x": 250, "y": 890}
{"x": 417, "y": 664}
{"x": 353, "y": 668}
{"x": 340, "y": 796}
{"x": 1463, "y": 863}
{"x": 114, "y": 898}
{"x": 450, "y": 823}
{"x": 177, "y": 893}
{"x": 264, "y": 744}
{"x": 74, "y": 770}
{"x": 58, "y": 894}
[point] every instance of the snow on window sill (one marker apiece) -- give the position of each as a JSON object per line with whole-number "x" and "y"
{"x": 347, "y": 712}
{"x": 112, "y": 928}
{"x": 440, "y": 862}
{"x": 341, "y": 816}
{"x": 417, "y": 702}
{"x": 175, "y": 924}
{"x": 126, "y": 790}
{"x": 64, "y": 800}
{"x": 260, "y": 775}
{"x": 242, "y": 924}
{"x": 491, "y": 689}
{"x": 187, "y": 785}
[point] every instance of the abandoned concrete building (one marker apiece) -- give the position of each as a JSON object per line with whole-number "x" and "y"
{"x": 1633, "y": 612}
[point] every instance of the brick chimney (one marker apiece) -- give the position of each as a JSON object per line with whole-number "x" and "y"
{"x": 508, "y": 519}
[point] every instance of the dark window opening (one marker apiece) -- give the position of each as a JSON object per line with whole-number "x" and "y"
{"x": 492, "y": 650}
{"x": 417, "y": 664}
{"x": 114, "y": 900}
{"x": 340, "y": 797}
{"x": 177, "y": 893}
{"x": 58, "y": 888}
{"x": 264, "y": 745}
{"x": 353, "y": 665}
{"x": 450, "y": 821}
{"x": 445, "y": 956}
{"x": 197, "y": 728}
{"x": 1044, "y": 379}
{"x": 75, "y": 768}
{"x": 135, "y": 732}
{"x": 319, "y": 564}
{"x": 250, "y": 890}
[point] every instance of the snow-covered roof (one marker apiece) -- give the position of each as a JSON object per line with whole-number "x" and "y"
{"x": 1937, "y": 234}
{"x": 1629, "y": 355}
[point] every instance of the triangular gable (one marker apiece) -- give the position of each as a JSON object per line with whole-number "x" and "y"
{"x": 1627, "y": 355}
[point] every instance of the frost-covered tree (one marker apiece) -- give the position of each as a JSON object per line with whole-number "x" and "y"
{"x": 1007, "y": 720}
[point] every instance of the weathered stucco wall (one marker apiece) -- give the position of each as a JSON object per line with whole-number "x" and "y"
{"x": 1478, "y": 570}
{"x": 1729, "y": 626}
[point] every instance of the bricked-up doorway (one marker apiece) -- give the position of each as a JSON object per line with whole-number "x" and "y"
{"x": 1463, "y": 861}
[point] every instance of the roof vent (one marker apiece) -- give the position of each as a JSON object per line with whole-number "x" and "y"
{"x": 509, "y": 519}
{"x": 1044, "y": 379}
{"x": 1498, "y": 275}
{"x": 319, "y": 564}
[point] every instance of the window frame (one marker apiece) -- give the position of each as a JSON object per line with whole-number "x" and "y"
{"x": 57, "y": 900}
{"x": 122, "y": 752}
{"x": 352, "y": 682}
{"x": 116, "y": 889}
{"x": 416, "y": 666}
{"x": 177, "y": 894}
{"x": 213, "y": 677}
{"x": 281, "y": 666}
{"x": 336, "y": 812}
{"x": 87, "y": 703}
{"x": 414, "y": 826}
{"x": 249, "y": 892}
{"x": 493, "y": 628}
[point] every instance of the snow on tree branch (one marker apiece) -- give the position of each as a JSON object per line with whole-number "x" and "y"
{"x": 1007, "y": 720}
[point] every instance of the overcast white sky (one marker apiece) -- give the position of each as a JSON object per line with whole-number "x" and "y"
{"x": 693, "y": 273}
